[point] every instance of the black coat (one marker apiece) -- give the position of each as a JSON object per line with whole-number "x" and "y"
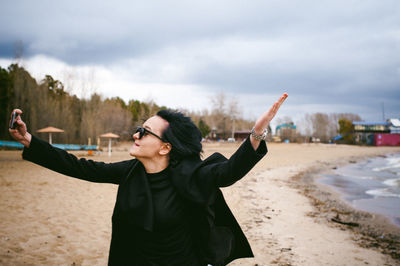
{"x": 219, "y": 237}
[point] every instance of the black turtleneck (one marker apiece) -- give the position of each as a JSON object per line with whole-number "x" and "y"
{"x": 171, "y": 242}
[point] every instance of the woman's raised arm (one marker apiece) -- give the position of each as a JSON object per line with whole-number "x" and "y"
{"x": 263, "y": 121}
{"x": 44, "y": 154}
{"x": 217, "y": 171}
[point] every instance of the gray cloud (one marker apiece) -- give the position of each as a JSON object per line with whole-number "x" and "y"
{"x": 325, "y": 52}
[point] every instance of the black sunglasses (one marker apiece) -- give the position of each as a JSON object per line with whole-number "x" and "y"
{"x": 143, "y": 132}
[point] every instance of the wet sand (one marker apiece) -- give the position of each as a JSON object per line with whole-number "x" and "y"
{"x": 50, "y": 219}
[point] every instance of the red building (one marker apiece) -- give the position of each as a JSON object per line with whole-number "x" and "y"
{"x": 387, "y": 139}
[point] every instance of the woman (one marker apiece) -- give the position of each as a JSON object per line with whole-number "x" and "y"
{"x": 169, "y": 208}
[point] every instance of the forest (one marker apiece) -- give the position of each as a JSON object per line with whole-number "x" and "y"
{"x": 47, "y": 103}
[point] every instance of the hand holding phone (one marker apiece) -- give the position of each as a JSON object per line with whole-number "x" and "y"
{"x": 18, "y": 130}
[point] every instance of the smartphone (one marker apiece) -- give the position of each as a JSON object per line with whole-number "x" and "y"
{"x": 13, "y": 123}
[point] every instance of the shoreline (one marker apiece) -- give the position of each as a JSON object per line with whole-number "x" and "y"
{"x": 369, "y": 230}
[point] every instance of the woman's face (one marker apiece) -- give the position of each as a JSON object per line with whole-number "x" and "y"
{"x": 149, "y": 146}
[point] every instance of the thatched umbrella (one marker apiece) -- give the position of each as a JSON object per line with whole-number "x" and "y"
{"x": 50, "y": 130}
{"x": 109, "y": 136}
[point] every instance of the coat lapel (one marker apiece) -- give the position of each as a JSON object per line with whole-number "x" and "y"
{"x": 134, "y": 201}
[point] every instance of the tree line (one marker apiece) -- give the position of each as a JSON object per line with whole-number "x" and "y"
{"x": 321, "y": 127}
{"x": 47, "y": 103}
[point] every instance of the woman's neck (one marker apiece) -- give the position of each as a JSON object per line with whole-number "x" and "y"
{"x": 155, "y": 166}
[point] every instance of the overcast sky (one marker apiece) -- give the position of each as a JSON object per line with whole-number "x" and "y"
{"x": 330, "y": 56}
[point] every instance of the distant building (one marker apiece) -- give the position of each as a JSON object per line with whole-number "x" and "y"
{"x": 213, "y": 134}
{"x": 364, "y": 131}
{"x": 371, "y": 127}
{"x": 394, "y": 126}
{"x": 376, "y": 133}
{"x": 286, "y": 132}
{"x": 387, "y": 139}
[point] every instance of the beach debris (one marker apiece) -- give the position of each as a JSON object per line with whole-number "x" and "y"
{"x": 338, "y": 220}
{"x": 313, "y": 214}
{"x": 343, "y": 212}
{"x": 285, "y": 249}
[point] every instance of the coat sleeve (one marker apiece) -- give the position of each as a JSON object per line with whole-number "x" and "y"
{"x": 198, "y": 181}
{"x": 226, "y": 173}
{"x": 44, "y": 154}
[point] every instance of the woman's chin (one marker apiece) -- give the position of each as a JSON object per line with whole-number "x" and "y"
{"x": 132, "y": 152}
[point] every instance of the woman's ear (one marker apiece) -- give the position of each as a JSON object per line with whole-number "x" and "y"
{"x": 165, "y": 148}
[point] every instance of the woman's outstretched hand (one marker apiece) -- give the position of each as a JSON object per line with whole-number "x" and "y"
{"x": 264, "y": 120}
{"x": 20, "y": 132}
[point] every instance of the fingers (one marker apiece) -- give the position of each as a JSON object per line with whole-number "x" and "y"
{"x": 275, "y": 107}
{"x": 20, "y": 127}
{"x": 13, "y": 132}
{"x": 283, "y": 98}
{"x": 18, "y": 111}
{"x": 266, "y": 118}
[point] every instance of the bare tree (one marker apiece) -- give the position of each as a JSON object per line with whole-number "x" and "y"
{"x": 324, "y": 126}
{"x": 218, "y": 113}
{"x": 233, "y": 112}
{"x": 87, "y": 83}
{"x": 319, "y": 124}
{"x": 18, "y": 51}
{"x": 283, "y": 120}
{"x": 305, "y": 126}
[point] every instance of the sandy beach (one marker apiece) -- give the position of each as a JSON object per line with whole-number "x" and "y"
{"x": 50, "y": 219}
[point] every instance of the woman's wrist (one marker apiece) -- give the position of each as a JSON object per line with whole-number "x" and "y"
{"x": 260, "y": 126}
{"x": 26, "y": 141}
{"x": 258, "y": 130}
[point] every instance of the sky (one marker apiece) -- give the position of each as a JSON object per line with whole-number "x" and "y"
{"x": 339, "y": 56}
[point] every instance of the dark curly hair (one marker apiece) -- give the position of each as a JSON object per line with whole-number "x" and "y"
{"x": 182, "y": 134}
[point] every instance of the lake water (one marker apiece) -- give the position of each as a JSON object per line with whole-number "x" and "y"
{"x": 372, "y": 185}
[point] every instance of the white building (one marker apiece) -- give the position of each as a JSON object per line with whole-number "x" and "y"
{"x": 394, "y": 126}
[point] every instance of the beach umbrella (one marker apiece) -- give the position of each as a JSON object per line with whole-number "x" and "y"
{"x": 50, "y": 130}
{"x": 109, "y": 136}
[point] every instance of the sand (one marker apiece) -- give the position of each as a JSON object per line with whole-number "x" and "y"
{"x": 50, "y": 219}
